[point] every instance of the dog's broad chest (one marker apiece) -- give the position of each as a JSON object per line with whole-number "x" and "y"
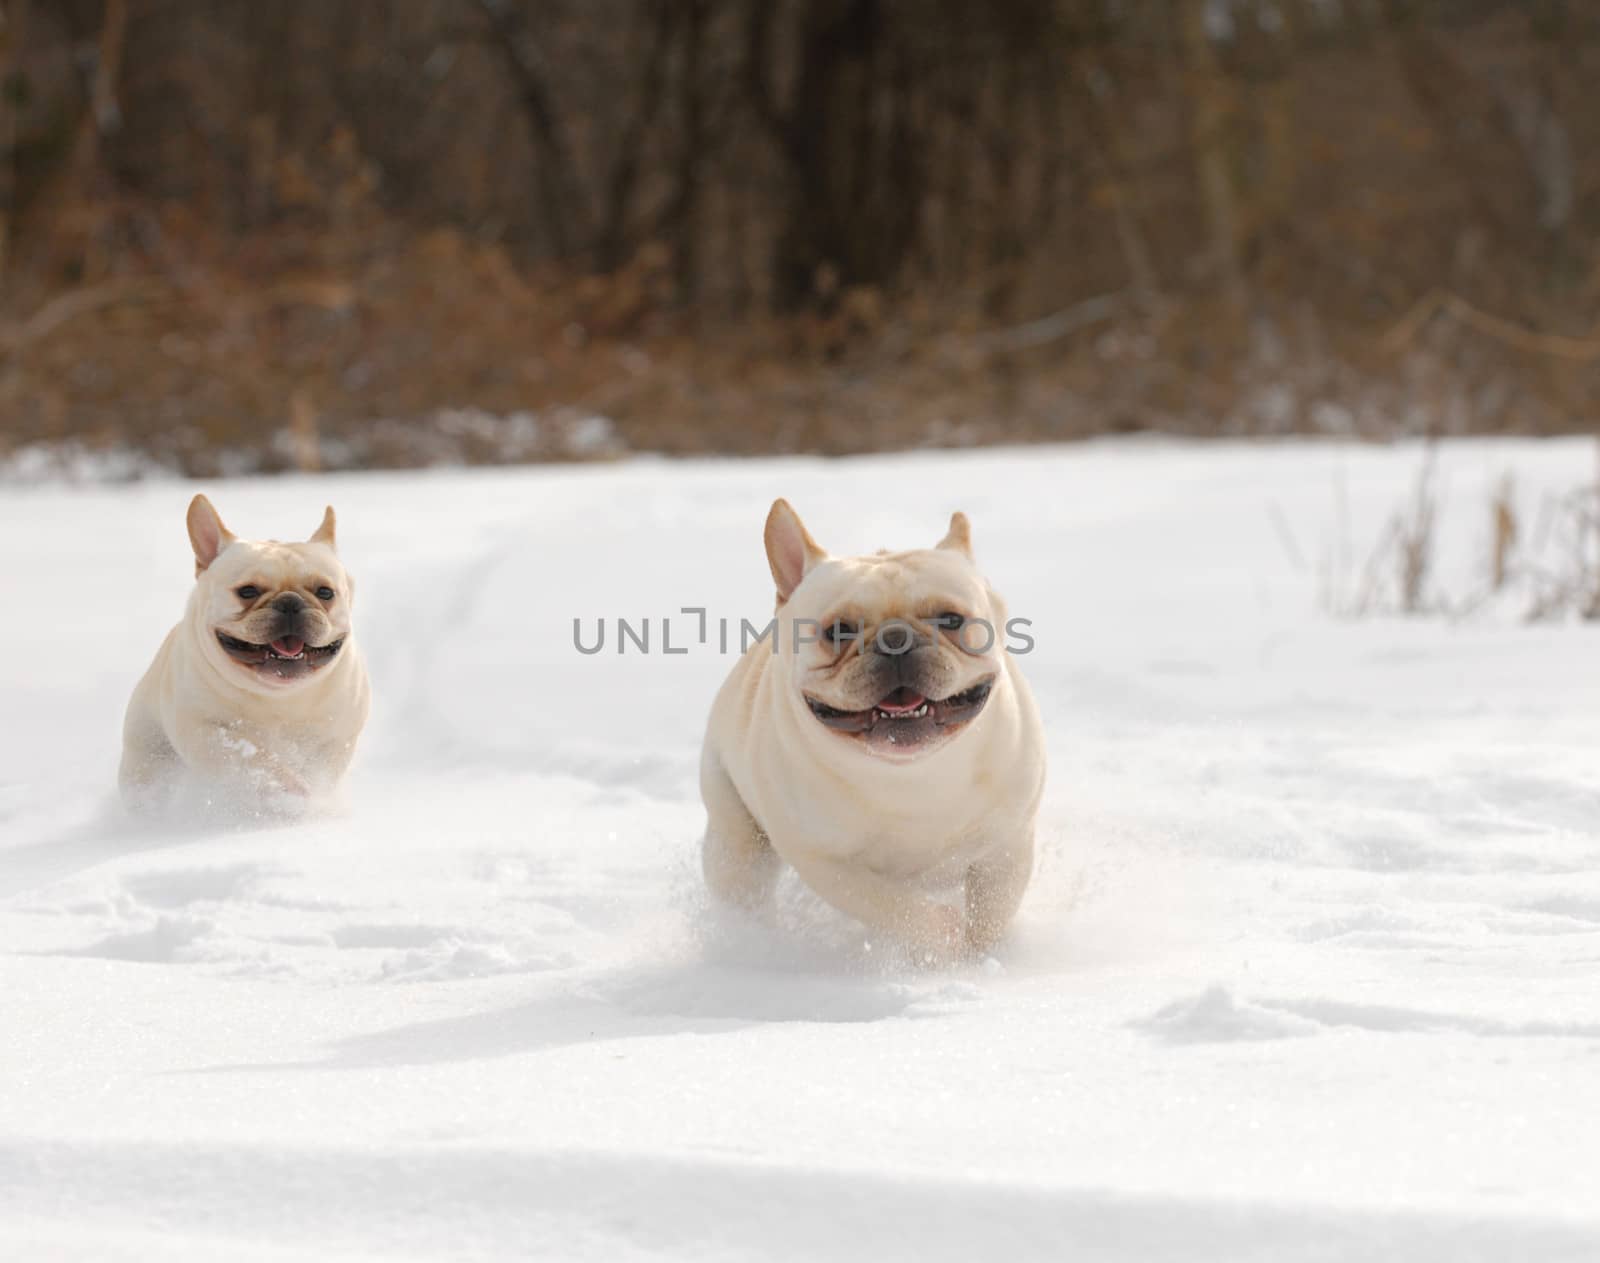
{"x": 906, "y": 823}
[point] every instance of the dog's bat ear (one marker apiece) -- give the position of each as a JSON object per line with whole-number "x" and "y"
{"x": 791, "y": 551}
{"x": 959, "y": 536}
{"x": 206, "y": 532}
{"x": 324, "y": 533}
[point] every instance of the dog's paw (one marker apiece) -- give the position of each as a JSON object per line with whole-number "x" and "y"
{"x": 280, "y": 780}
{"x": 940, "y": 940}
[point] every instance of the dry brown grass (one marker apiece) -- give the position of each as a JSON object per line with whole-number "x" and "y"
{"x": 1569, "y": 583}
{"x": 1395, "y": 578}
{"x": 1548, "y": 573}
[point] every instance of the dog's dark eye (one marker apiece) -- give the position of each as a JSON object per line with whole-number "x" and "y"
{"x": 841, "y": 630}
{"x": 324, "y": 593}
{"x": 950, "y": 621}
{"x": 248, "y": 592}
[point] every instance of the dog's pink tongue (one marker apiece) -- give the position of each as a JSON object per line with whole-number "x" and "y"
{"x": 289, "y": 646}
{"x": 901, "y": 700}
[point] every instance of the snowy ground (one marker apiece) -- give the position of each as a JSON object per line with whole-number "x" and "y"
{"x": 1308, "y": 970}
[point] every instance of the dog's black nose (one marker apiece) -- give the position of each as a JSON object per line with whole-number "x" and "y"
{"x": 288, "y": 603}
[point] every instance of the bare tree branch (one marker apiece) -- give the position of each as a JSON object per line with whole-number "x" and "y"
{"x": 555, "y": 169}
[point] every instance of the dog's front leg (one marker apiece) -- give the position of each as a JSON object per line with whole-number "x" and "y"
{"x": 740, "y": 865}
{"x": 995, "y": 886}
{"x": 235, "y": 751}
{"x": 932, "y": 930}
{"x": 148, "y": 771}
{"x": 331, "y": 760}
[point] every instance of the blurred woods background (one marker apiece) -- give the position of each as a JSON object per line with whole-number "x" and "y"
{"x": 242, "y": 235}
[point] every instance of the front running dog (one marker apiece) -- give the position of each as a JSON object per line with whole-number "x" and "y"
{"x": 884, "y": 744}
{"x": 260, "y": 689}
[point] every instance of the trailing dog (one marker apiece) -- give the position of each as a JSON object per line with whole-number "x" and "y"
{"x": 884, "y": 745}
{"x": 259, "y": 692}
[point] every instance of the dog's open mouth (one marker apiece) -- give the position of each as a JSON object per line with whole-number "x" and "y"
{"x": 286, "y": 658}
{"x": 904, "y": 719}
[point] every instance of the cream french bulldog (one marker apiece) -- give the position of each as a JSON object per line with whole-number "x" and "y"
{"x": 260, "y": 690}
{"x": 883, "y": 743}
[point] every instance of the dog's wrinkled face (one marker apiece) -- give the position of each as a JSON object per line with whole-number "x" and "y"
{"x": 273, "y": 614}
{"x": 907, "y": 645}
